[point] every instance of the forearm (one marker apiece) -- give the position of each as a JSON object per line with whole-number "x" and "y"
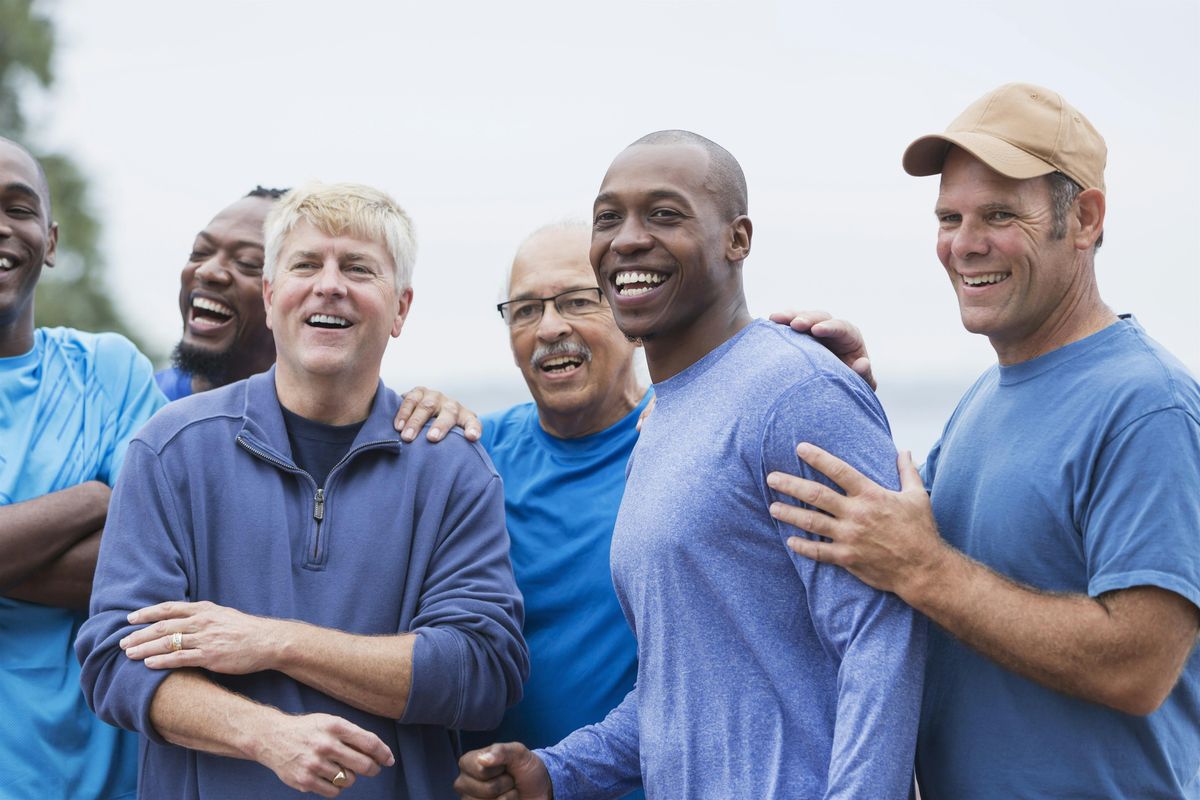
{"x": 371, "y": 673}
{"x": 35, "y": 532}
{"x": 65, "y": 582}
{"x": 1112, "y": 653}
{"x": 191, "y": 711}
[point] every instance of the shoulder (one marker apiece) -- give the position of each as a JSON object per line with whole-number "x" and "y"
{"x": 195, "y": 415}
{"x": 104, "y": 354}
{"x": 503, "y": 428}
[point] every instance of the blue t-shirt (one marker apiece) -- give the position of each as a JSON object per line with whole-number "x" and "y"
{"x": 1077, "y": 471}
{"x": 68, "y": 408}
{"x": 560, "y": 499}
{"x": 174, "y": 382}
{"x": 761, "y": 674}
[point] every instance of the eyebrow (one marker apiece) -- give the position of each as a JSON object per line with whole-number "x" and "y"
{"x": 940, "y": 210}
{"x": 18, "y": 187}
{"x": 313, "y": 255}
{"x": 532, "y": 296}
{"x": 654, "y": 194}
{"x": 238, "y": 245}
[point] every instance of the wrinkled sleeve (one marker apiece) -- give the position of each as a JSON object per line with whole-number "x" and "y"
{"x": 598, "y": 761}
{"x": 140, "y": 564}
{"x": 878, "y": 639}
{"x": 470, "y": 660}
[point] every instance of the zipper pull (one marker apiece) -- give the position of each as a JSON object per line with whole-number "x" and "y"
{"x": 319, "y": 506}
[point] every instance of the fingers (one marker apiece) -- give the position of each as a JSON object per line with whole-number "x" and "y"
{"x": 420, "y": 404}
{"x": 910, "y": 476}
{"x": 160, "y": 630}
{"x": 646, "y": 412}
{"x": 374, "y": 752}
{"x": 815, "y": 494}
{"x": 817, "y": 550}
{"x": 172, "y": 609}
{"x": 862, "y": 366}
{"x": 468, "y": 420}
{"x": 800, "y": 321}
{"x": 847, "y": 477}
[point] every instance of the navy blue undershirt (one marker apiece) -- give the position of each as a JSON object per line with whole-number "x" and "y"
{"x": 317, "y": 447}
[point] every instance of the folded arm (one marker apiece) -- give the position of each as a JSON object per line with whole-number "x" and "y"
{"x": 38, "y": 539}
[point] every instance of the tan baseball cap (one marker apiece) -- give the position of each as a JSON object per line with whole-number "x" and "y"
{"x": 1022, "y": 131}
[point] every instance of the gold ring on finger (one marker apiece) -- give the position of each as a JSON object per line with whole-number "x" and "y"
{"x": 176, "y": 641}
{"x": 339, "y": 780}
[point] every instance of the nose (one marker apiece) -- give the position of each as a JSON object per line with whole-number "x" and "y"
{"x": 552, "y": 326}
{"x": 213, "y": 270}
{"x": 330, "y": 281}
{"x": 969, "y": 239}
{"x": 631, "y": 237}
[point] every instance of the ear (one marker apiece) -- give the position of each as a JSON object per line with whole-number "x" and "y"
{"x": 403, "y": 304}
{"x": 1089, "y": 216}
{"x": 267, "y": 293}
{"x": 51, "y": 245}
{"x": 740, "y": 232}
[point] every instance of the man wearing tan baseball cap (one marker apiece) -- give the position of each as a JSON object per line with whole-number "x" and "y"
{"x": 1058, "y": 546}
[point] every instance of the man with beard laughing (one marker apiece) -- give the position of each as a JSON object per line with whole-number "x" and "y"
{"x": 225, "y": 336}
{"x": 760, "y": 673}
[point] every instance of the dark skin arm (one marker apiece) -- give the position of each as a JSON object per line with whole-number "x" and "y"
{"x": 66, "y": 582}
{"x": 38, "y": 534}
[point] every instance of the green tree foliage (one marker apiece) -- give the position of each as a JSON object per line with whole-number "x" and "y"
{"x": 74, "y": 293}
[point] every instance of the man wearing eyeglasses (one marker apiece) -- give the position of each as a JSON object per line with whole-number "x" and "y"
{"x": 562, "y": 458}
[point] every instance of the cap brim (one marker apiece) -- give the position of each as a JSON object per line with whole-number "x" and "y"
{"x": 926, "y": 155}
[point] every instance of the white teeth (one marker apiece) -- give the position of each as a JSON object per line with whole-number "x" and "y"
{"x": 984, "y": 280}
{"x": 6, "y": 263}
{"x": 329, "y": 319}
{"x": 623, "y": 278}
{"x": 634, "y": 291}
{"x": 212, "y": 305}
{"x": 561, "y": 361}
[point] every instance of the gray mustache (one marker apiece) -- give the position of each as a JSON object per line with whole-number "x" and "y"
{"x": 560, "y": 349}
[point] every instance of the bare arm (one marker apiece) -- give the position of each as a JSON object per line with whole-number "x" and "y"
{"x": 66, "y": 582}
{"x": 35, "y": 532}
{"x": 305, "y": 751}
{"x": 1124, "y": 649}
{"x": 371, "y": 673}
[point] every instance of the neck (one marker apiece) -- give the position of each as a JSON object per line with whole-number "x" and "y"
{"x": 577, "y": 423}
{"x": 16, "y": 334}
{"x": 1078, "y": 316}
{"x": 668, "y": 355}
{"x": 326, "y": 399}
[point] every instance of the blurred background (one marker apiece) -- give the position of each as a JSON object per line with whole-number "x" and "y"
{"x": 486, "y": 120}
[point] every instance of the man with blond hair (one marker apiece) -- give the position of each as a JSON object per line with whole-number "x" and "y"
{"x": 286, "y": 584}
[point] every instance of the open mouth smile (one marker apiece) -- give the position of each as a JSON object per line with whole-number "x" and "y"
{"x": 207, "y": 313}
{"x": 632, "y": 283}
{"x": 986, "y": 279}
{"x": 327, "y": 321}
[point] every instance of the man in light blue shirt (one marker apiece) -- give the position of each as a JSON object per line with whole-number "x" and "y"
{"x": 69, "y": 403}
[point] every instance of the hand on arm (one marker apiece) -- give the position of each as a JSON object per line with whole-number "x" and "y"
{"x": 35, "y": 533}
{"x": 371, "y": 673}
{"x": 1124, "y": 649}
{"x": 421, "y": 404}
{"x": 842, "y": 338}
{"x": 305, "y": 751}
{"x": 508, "y": 771}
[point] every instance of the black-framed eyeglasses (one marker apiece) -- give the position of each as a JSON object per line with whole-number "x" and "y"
{"x": 571, "y": 304}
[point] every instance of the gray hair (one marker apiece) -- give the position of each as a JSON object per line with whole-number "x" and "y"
{"x": 1063, "y": 193}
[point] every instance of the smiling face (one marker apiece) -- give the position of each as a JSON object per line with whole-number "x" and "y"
{"x": 332, "y": 306}
{"x": 1016, "y": 283}
{"x": 220, "y": 293}
{"x": 27, "y": 243}
{"x": 665, "y": 253}
{"x": 579, "y": 370}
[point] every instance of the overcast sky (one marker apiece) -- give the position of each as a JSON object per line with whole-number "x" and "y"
{"x": 486, "y": 120}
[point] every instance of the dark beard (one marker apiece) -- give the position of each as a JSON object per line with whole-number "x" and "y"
{"x": 211, "y": 366}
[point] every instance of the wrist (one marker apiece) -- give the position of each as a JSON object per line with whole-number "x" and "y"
{"x": 929, "y": 578}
